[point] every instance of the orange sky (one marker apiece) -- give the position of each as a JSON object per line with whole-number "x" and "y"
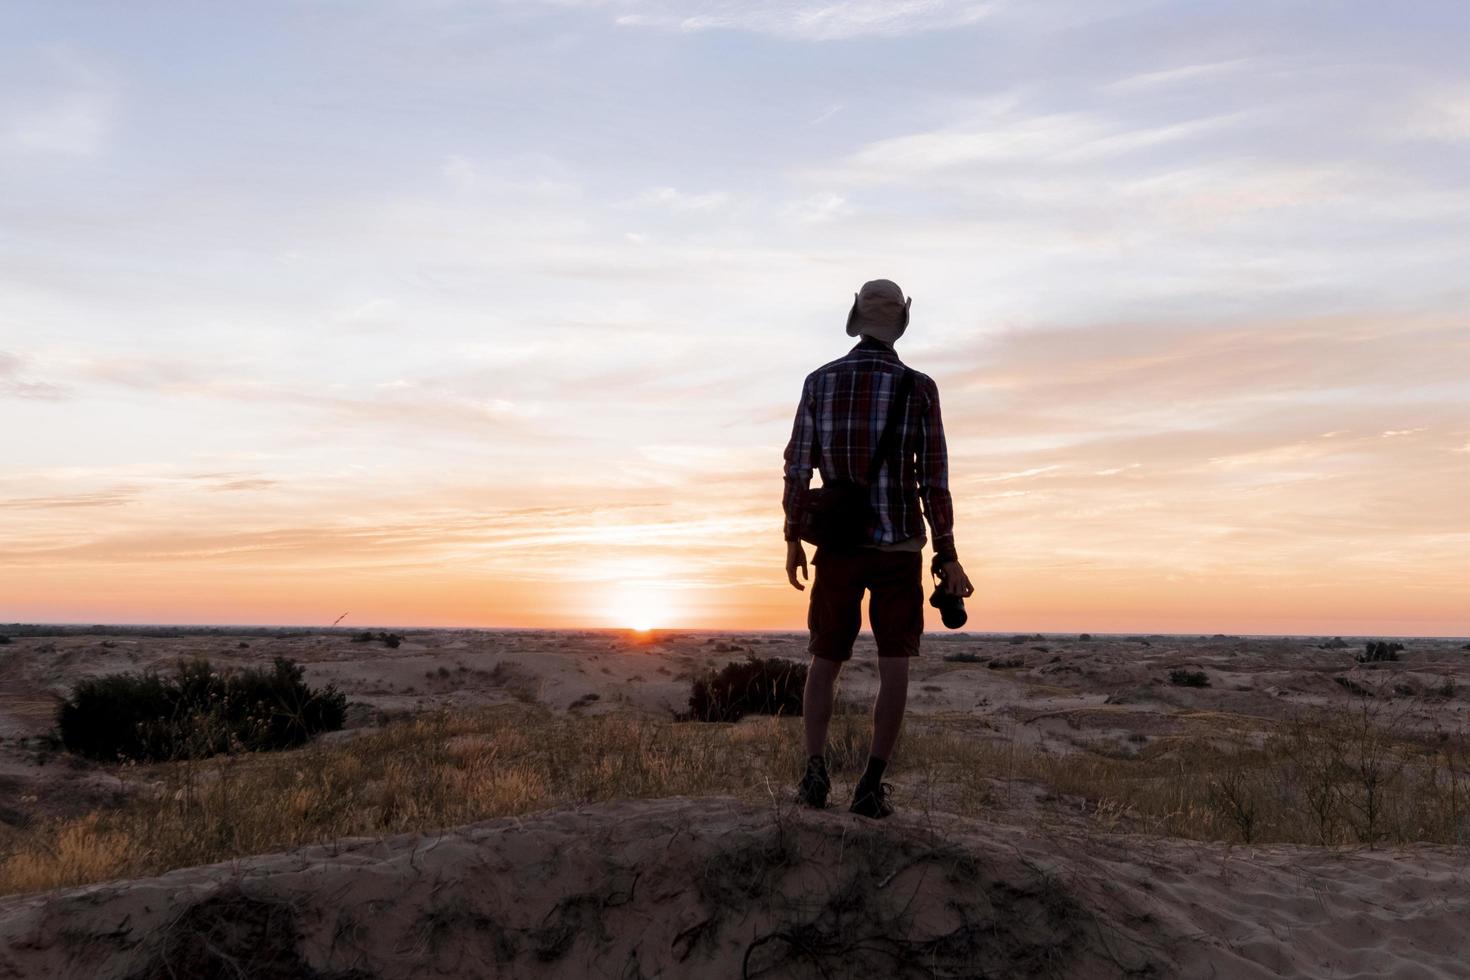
{"x": 1106, "y": 478}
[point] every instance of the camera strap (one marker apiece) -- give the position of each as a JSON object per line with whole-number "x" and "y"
{"x": 897, "y": 406}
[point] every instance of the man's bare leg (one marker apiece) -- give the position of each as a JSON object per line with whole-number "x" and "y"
{"x": 893, "y": 695}
{"x": 816, "y": 702}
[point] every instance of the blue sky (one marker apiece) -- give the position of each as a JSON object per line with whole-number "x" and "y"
{"x": 308, "y": 290}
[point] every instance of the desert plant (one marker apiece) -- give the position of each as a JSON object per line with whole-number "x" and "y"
{"x": 963, "y": 657}
{"x": 390, "y": 640}
{"x": 1231, "y": 793}
{"x": 756, "y": 685}
{"x": 1189, "y": 678}
{"x": 1374, "y": 758}
{"x": 1376, "y": 651}
{"x": 1353, "y": 687}
{"x": 196, "y": 712}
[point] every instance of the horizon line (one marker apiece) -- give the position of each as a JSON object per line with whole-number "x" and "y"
{"x": 716, "y": 629}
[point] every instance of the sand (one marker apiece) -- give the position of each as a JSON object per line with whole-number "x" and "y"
{"x": 706, "y": 888}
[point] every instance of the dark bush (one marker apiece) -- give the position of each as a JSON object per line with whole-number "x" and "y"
{"x": 962, "y": 657}
{"x": 1085, "y": 637}
{"x": 389, "y": 639}
{"x": 756, "y": 685}
{"x": 1379, "y": 650}
{"x": 195, "y": 712}
{"x": 1189, "y": 678}
{"x": 4, "y": 640}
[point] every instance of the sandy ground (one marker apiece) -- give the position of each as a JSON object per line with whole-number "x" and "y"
{"x": 1058, "y": 691}
{"x": 1063, "y": 901}
{"x": 708, "y": 888}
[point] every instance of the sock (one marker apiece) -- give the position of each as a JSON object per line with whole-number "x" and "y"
{"x": 874, "y": 772}
{"x": 816, "y": 763}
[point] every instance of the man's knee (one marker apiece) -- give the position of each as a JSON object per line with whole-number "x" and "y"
{"x": 823, "y": 669}
{"x": 893, "y": 671}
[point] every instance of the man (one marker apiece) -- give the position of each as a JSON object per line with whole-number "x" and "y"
{"x": 844, "y": 405}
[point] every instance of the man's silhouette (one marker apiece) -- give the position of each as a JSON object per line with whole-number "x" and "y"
{"x": 844, "y": 405}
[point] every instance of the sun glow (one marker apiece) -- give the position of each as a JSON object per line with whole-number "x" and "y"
{"x": 641, "y": 610}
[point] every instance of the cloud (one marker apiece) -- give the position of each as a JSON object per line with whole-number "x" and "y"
{"x": 999, "y": 133}
{"x": 98, "y": 498}
{"x": 825, "y": 20}
{"x": 1172, "y": 78}
{"x": 1359, "y": 358}
{"x": 535, "y": 174}
{"x": 816, "y": 209}
{"x": 676, "y": 200}
{"x": 249, "y": 483}
{"x": 70, "y": 113}
{"x": 13, "y": 385}
{"x": 398, "y": 402}
{"x": 1438, "y": 114}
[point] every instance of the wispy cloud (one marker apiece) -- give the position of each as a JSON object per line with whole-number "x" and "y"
{"x": 68, "y": 111}
{"x": 676, "y": 200}
{"x": 826, "y": 20}
{"x": 100, "y": 498}
{"x": 1172, "y": 78}
{"x": 13, "y": 383}
{"x": 1440, "y": 113}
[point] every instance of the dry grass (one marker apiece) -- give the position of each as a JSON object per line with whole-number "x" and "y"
{"x": 1346, "y": 776}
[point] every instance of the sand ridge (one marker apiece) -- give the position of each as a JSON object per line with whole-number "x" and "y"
{"x": 713, "y": 887}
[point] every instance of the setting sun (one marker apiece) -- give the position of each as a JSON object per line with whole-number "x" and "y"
{"x": 640, "y": 610}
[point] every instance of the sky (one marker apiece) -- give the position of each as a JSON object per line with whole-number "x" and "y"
{"x": 424, "y": 312}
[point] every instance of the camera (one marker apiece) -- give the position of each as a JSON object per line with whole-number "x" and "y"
{"x": 951, "y": 607}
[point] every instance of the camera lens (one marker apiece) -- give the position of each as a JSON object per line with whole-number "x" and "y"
{"x": 951, "y": 607}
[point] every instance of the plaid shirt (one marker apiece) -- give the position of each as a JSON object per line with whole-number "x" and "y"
{"x": 844, "y": 404}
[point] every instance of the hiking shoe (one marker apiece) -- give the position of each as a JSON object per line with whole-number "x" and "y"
{"x": 872, "y": 801}
{"x": 815, "y": 785}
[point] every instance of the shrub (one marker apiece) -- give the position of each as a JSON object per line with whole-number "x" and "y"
{"x": 195, "y": 712}
{"x": 1085, "y": 637}
{"x": 963, "y": 657}
{"x": 1352, "y": 687}
{"x": 389, "y": 639}
{"x": 4, "y": 640}
{"x": 1379, "y": 650}
{"x": 756, "y": 685}
{"x": 1189, "y": 678}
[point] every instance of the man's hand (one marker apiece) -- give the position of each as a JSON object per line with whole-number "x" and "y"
{"x": 796, "y": 558}
{"x": 956, "y": 582}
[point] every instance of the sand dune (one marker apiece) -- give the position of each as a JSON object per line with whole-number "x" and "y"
{"x": 720, "y": 888}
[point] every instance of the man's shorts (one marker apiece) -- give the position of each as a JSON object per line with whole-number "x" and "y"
{"x": 895, "y": 611}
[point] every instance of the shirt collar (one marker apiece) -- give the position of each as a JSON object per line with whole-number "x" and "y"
{"x": 874, "y": 347}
